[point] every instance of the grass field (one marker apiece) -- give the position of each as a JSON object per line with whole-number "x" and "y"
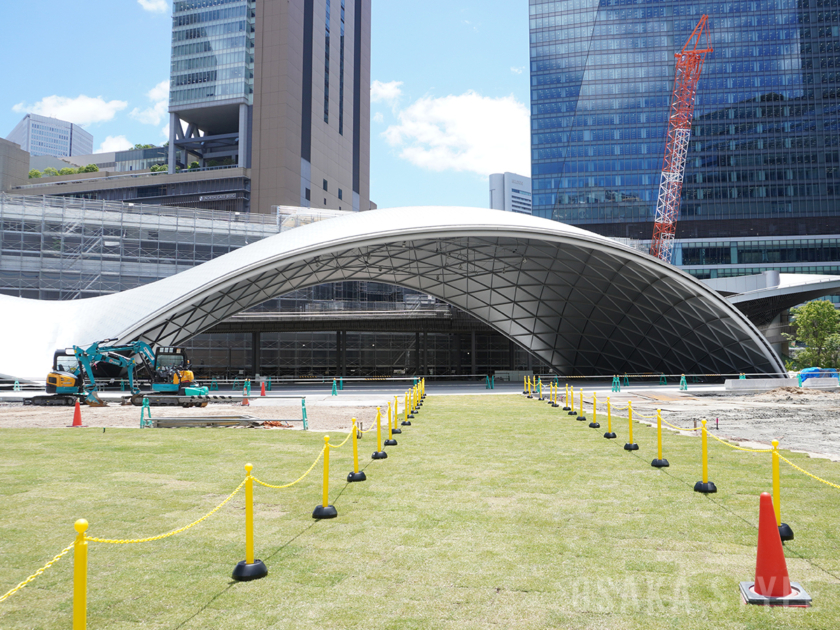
{"x": 492, "y": 512}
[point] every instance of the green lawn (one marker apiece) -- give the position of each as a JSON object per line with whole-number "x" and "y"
{"x": 493, "y": 511}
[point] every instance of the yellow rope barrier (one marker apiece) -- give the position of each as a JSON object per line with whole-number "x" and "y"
{"x": 37, "y": 573}
{"x": 828, "y": 483}
{"x": 673, "y": 426}
{"x": 345, "y": 439}
{"x": 741, "y": 448}
{"x": 301, "y": 478}
{"x": 173, "y": 532}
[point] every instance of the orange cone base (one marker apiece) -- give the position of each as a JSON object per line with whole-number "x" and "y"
{"x": 798, "y": 597}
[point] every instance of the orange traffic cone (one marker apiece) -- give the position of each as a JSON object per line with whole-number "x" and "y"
{"x": 772, "y": 586}
{"x": 262, "y": 388}
{"x": 77, "y": 416}
{"x": 245, "y": 402}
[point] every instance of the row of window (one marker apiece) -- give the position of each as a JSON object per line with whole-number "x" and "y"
{"x": 212, "y": 46}
{"x": 211, "y": 31}
{"x": 210, "y": 16}
{"x": 193, "y": 5}
{"x": 240, "y": 57}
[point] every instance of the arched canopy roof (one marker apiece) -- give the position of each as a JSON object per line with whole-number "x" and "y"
{"x": 582, "y": 302}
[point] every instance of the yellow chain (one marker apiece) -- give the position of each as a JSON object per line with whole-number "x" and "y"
{"x": 289, "y": 485}
{"x": 673, "y": 426}
{"x": 173, "y": 532}
{"x": 741, "y": 448}
{"x": 37, "y": 573}
{"x": 828, "y": 483}
{"x": 645, "y": 417}
{"x": 345, "y": 439}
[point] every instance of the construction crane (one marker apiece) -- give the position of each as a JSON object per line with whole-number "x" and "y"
{"x": 688, "y": 68}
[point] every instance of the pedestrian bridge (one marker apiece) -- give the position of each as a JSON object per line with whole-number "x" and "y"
{"x": 583, "y": 303}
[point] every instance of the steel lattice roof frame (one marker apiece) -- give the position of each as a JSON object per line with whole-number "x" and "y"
{"x": 583, "y": 303}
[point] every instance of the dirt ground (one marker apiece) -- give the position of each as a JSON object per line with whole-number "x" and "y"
{"x": 802, "y": 420}
{"x": 321, "y": 416}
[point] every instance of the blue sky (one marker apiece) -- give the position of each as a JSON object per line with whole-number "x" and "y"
{"x": 450, "y": 95}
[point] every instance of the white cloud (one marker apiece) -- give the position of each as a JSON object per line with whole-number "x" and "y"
{"x": 469, "y": 132}
{"x": 114, "y": 143}
{"x": 165, "y": 131}
{"x": 388, "y": 93}
{"x": 159, "y": 95}
{"x": 517, "y": 70}
{"x": 82, "y": 110}
{"x": 155, "y": 6}
{"x": 378, "y": 117}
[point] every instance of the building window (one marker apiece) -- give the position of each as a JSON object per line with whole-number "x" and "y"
{"x": 340, "y": 194}
{"x": 307, "y": 195}
{"x": 325, "y": 185}
{"x": 341, "y": 76}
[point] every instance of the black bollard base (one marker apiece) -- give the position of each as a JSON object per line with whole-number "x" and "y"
{"x": 631, "y": 447}
{"x": 404, "y": 423}
{"x": 581, "y": 418}
{"x": 610, "y": 435}
{"x": 379, "y": 455}
{"x": 705, "y": 488}
{"x": 244, "y": 572}
{"x": 660, "y": 463}
{"x": 785, "y": 532}
{"x": 572, "y": 413}
{"x": 324, "y": 512}
{"x": 411, "y": 415}
{"x": 567, "y": 408}
{"x": 391, "y": 442}
{"x": 594, "y": 425}
{"x": 555, "y": 405}
{"x": 396, "y": 431}
{"x": 356, "y": 476}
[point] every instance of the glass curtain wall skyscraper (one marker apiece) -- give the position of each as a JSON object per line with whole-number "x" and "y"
{"x": 764, "y": 156}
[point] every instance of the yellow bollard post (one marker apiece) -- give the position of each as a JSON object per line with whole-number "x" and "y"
{"x": 659, "y": 462}
{"x": 609, "y": 434}
{"x": 325, "y": 510}
{"x": 529, "y": 388}
{"x": 409, "y": 404}
{"x": 249, "y": 568}
{"x": 581, "y": 415}
{"x": 539, "y": 389}
{"x": 594, "y": 424}
{"x": 80, "y": 561}
{"x": 566, "y": 399}
{"x": 358, "y": 475}
{"x": 395, "y": 429}
{"x": 631, "y": 445}
{"x": 572, "y": 411}
{"x": 390, "y": 441}
{"x": 406, "y": 422}
{"x": 705, "y": 486}
{"x": 525, "y": 385}
{"x": 785, "y": 532}
{"x": 379, "y": 453}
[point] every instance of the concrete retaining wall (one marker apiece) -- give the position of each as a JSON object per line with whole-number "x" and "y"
{"x": 752, "y": 385}
{"x": 822, "y": 383}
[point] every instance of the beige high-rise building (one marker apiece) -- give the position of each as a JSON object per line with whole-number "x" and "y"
{"x": 279, "y": 89}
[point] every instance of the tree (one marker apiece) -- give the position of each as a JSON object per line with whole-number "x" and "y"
{"x": 67, "y": 171}
{"x": 815, "y": 322}
{"x": 145, "y": 146}
{"x": 50, "y": 172}
{"x": 33, "y": 174}
{"x": 90, "y": 168}
{"x": 158, "y": 168}
{"x": 194, "y": 165}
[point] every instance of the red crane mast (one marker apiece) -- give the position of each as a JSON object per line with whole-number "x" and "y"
{"x": 688, "y": 68}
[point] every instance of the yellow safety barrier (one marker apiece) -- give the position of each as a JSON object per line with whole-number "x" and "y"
{"x": 325, "y": 510}
{"x": 659, "y": 462}
{"x": 609, "y": 434}
{"x": 631, "y": 445}
{"x": 80, "y": 549}
{"x": 32, "y": 577}
{"x": 812, "y": 476}
{"x": 581, "y": 415}
{"x": 572, "y": 411}
{"x": 379, "y": 453}
{"x": 298, "y": 480}
{"x": 356, "y": 474}
{"x": 250, "y": 568}
{"x": 594, "y": 424}
{"x": 391, "y": 441}
{"x": 705, "y": 486}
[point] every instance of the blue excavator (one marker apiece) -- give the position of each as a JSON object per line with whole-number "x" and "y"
{"x": 73, "y": 375}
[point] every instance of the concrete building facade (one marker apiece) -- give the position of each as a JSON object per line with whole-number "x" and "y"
{"x": 280, "y": 88}
{"x": 42, "y": 135}
{"x": 510, "y": 192}
{"x": 14, "y": 165}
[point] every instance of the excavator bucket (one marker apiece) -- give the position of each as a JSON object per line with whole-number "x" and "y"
{"x": 93, "y": 400}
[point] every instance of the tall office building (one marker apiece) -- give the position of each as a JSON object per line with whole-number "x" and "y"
{"x": 41, "y": 135}
{"x": 280, "y": 88}
{"x": 762, "y": 181}
{"x": 510, "y": 192}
